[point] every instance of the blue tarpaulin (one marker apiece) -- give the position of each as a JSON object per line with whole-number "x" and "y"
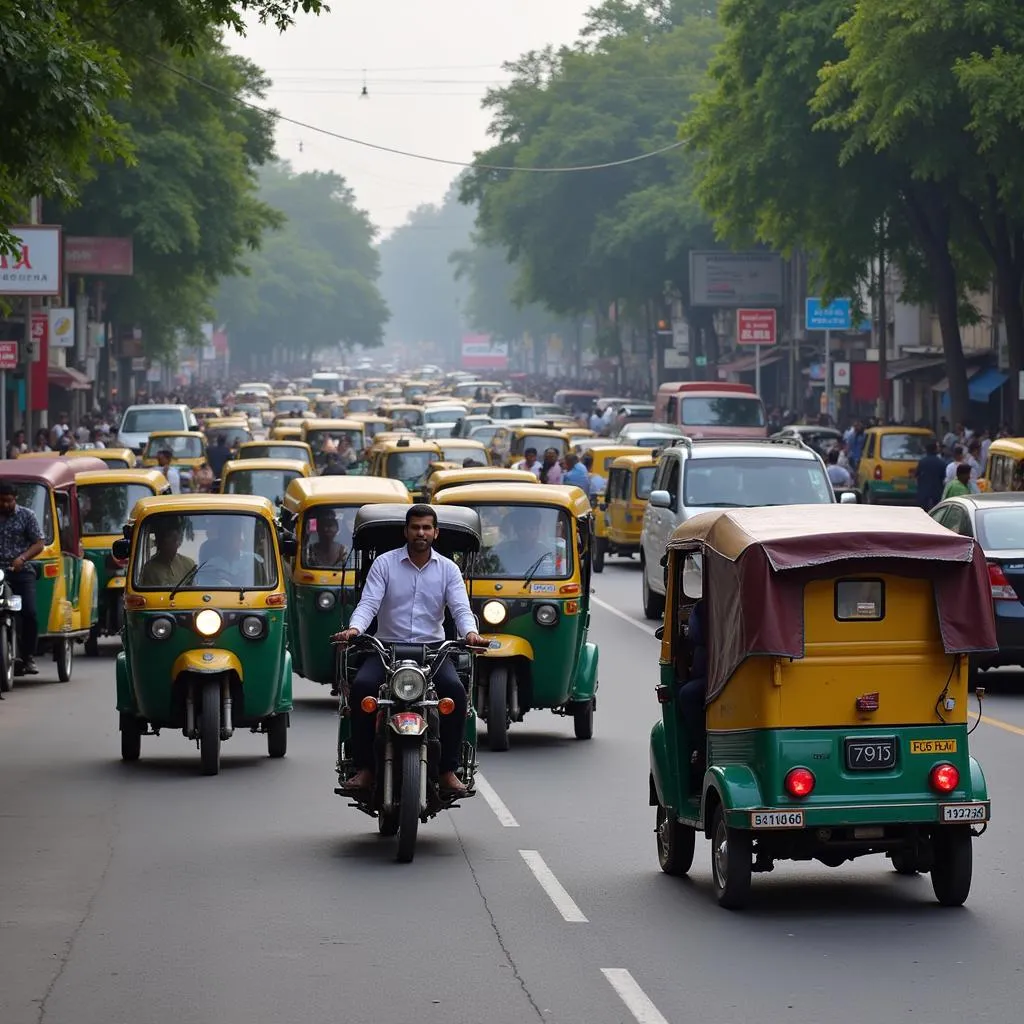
{"x": 980, "y": 387}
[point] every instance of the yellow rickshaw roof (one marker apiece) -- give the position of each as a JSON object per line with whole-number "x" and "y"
{"x": 920, "y": 431}
{"x": 570, "y": 498}
{"x": 1007, "y": 446}
{"x": 580, "y": 433}
{"x": 407, "y": 444}
{"x": 368, "y": 417}
{"x": 484, "y": 475}
{"x": 636, "y": 461}
{"x": 331, "y": 424}
{"x": 225, "y": 421}
{"x": 153, "y": 477}
{"x": 461, "y": 442}
{"x": 109, "y": 454}
{"x": 288, "y": 398}
{"x": 193, "y": 503}
{"x": 344, "y": 490}
{"x": 615, "y": 451}
{"x": 177, "y": 433}
{"x": 290, "y": 442}
{"x": 237, "y": 465}
{"x": 521, "y": 431}
{"x": 214, "y": 409}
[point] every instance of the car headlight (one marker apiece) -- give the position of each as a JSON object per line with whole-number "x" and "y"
{"x": 408, "y": 682}
{"x": 161, "y": 628}
{"x": 546, "y": 615}
{"x": 494, "y": 613}
{"x": 208, "y": 622}
{"x": 253, "y": 627}
{"x": 326, "y": 600}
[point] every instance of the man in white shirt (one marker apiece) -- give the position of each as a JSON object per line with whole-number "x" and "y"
{"x": 163, "y": 459}
{"x": 407, "y": 591}
{"x": 529, "y": 462}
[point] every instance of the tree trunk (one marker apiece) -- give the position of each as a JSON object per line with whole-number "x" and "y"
{"x": 702, "y": 327}
{"x": 882, "y": 410}
{"x": 1009, "y": 285}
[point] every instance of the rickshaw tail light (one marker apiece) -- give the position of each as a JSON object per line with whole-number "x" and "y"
{"x": 1001, "y": 589}
{"x": 944, "y": 778}
{"x": 569, "y": 588}
{"x": 799, "y": 782}
{"x": 878, "y": 472}
{"x": 445, "y": 706}
{"x": 51, "y": 571}
{"x": 274, "y": 600}
{"x": 368, "y": 704}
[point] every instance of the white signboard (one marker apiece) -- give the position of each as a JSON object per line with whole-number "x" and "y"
{"x": 681, "y": 336}
{"x": 676, "y": 360}
{"x": 35, "y": 267}
{"x": 841, "y": 375}
{"x": 62, "y": 327}
{"x": 736, "y": 279}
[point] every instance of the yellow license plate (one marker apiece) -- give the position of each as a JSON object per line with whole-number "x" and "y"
{"x": 933, "y": 746}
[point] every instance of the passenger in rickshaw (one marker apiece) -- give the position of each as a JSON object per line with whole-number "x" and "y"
{"x": 166, "y": 568}
{"x": 326, "y": 552}
{"x": 524, "y": 551}
{"x": 225, "y": 558}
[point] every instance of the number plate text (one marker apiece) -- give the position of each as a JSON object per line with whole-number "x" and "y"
{"x": 964, "y": 812}
{"x": 777, "y": 819}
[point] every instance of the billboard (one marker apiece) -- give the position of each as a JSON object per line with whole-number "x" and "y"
{"x": 735, "y": 279}
{"x": 35, "y": 266}
{"x": 483, "y": 352}
{"x": 113, "y": 257}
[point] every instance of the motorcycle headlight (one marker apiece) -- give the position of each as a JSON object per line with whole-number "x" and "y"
{"x": 326, "y": 600}
{"x": 208, "y": 622}
{"x": 546, "y": 615}
{"x": 253, "y": 627}
{"x": 494, "y": 613}
{"x": 161, "y": 628}
{"x": 408, "y": 682}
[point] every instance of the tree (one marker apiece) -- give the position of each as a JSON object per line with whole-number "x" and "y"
{"x": 313, "y": 284}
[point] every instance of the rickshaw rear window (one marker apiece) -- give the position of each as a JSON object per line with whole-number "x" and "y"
{"x": 410, "y": 467}
{"x": 645, "y": 482}
{"x": 274, "y": 451}
{"x": 37, "y": 498}
{"x": 267, "y": 483}
{"x": 457, "y": 453}
{"x": 105, "y": 508}
{"x": 902, "y": 447}
{"x": 179, "y": 447}
{"x": 357, "y": 405}
{"x": 542, "y": 444}
{"x": 860, "y": 600}
{"x": 232, "y": 551}
{"x": 524, "y": 540}
{"x": 316, "y": 438}
{"x": 327, "y": 536}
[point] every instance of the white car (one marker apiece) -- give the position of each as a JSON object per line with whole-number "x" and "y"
{"x": 139, "y": 421}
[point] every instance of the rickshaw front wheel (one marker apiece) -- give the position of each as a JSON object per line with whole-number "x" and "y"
{"x": 131, "y": 738}
{"x": 583, "y": 720}
{"x": 209, "y": 728}
{"x": 277, "y": 736}
{"x": 497, "y": 709}
{"x": 676, "y": 843}
{"x": 730, "y": 862}
{"x": 953, "y": 865}
{"x": 64, "y": 655}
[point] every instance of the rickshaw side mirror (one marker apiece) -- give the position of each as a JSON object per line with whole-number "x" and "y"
{"x": 289, "y": 545}
{"x": 659, "y": 633}
{"x": 126, "y": 531}
{"x": 121, "y": 549}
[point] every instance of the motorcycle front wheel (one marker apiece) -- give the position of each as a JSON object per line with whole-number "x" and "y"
{"x": 409, "y": 804}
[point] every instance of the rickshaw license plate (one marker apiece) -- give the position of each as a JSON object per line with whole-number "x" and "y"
{"x": 866, "y": 755}
{"x": 776, "y": 819}
{"x": 964, "y": 812}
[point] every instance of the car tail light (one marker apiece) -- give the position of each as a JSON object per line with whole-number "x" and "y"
{"x": 944, "y": 778}
{"x": 1001, "y": 589}
{"x": 799, "y": 782}
{"x": 878, "y": 472}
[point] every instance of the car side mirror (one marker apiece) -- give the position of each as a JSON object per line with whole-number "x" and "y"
{"x": 848, "y": 498}
{"x": 289, "y": 545}
{"x": 660, "y": 499}
{"x": 121, "y": 549}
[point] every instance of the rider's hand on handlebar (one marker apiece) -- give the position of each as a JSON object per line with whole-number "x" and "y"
{"x": 345, "y": 637}
{"x": 475, "y": 640}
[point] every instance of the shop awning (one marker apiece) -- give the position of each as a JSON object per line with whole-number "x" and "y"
{"x": 904, "y": 367}
{"x": 69, "y": 378}
{"x": 985, "y": 383}
{"x": 746, "y": 364}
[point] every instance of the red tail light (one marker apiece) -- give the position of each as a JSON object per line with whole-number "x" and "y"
{"x": 878, "y": 472}
{"x": 799, "y": 782}
{"x": 944, "y": 778}
{"x": 1001, "y": 589}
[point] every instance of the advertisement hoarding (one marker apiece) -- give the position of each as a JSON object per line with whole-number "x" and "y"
{"x": 108, "y": 257}
{"x": 736, "y": 279}
{"x": 482, "y": 352}
{"x": 35, "y": 268}
{"x": 62, "y": 327}
{"x": 755, "y": 326}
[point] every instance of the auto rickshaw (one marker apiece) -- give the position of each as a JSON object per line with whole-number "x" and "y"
{"x": 288, "y": 432}
{"x": 830, "y": 653}
{"x": 405, "y": 415}
{"x": 296, "y": 451}
{"x": 206, "y": 413}
{"x": 289, "y": 405}
{"x": 531, "y": 593}
{"x": 357, "y": 402}
{"x": 620, "y": 515}
{"x": 66, "y": 587}
{"x": 105, "y": 501}
{"x": 475, "y": 475}
{"x": 458, "y": 449}
{"x": 115, "y": 458}
{"x": 268, "y": 478}
{"x": 187, "y": 448}
{"x": 321, "y": 510}
{"x": 234, "y": 430}
{"x": 886, "y": 473}
{"x": 205, "y": 645}
{"x": 372, "y": 424}
{"x": 603, "y": 458}
{"x": 318, "y": 433}
{"x": 1004, "y": 467}
{"x": 512, "y": 442}
{"x": 407, "y": 459}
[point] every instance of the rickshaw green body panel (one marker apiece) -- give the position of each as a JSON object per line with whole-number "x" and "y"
{"x": 310, "y": 628}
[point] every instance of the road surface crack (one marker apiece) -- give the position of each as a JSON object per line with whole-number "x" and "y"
{"x": 494, "y": 927}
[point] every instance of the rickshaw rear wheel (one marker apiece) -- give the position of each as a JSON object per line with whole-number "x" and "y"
{"x": 497, "y": 709}
{"x": 64, "y": 655}
{"x": 600, "y": 550}
{"x": 6, "y": 658}
{"x": 583, "y": 720}
{"x": 277, "y": 736}
{"x": 409, "y": 805}
{"x": 676, "y": 843}
{"x": 904, "y": 863}
{"x": 953, "y": 865}
{"x": 131, "y": 738}
{"x": 209, "y": 728}
{"x": 730, "y": 862}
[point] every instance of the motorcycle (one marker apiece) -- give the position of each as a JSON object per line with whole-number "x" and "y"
{"x": 10, "y": 628}
{"x": 406, "y": 743}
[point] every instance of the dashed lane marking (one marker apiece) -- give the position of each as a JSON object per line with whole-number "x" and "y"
{"x": 622, "y": 615}
{"x": 636, "y": 1000}
{"x": 563, "y": 902}
{"x": 496, "y": 804}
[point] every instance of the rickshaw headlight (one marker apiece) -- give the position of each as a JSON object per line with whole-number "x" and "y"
{"x": 253, "y": 627}
{"x": 326, "y": 600}
{"x": 546, "y": 615}
{"x": 408, "y": 683}
{"x": 161, "y": 628}
{"x": 494, "y": 613}
{"x": 208, "y": 622}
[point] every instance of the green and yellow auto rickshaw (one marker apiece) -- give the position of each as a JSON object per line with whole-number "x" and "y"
{"x": 445, "y": 478}
{"x": 205, "y": 633}
{"x": 105, "y": 501}
{"x": 321, "y": 510}
{"x": 405, "y": 458}
{"x": 187, "y": 448}
{"x": 603, "y": 457}
{"x": 268, "y": 478}
{"x": 531, "y": 593}
{"x": 621, "y": 507}
{"x": 829, "y": 650}
{"x": 67, "y": 595}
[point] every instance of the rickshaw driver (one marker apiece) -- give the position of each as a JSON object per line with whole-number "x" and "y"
{"x": 223, "y": 557}
{"x": 525, "y": 551}
{"x": 167, "y": 568}
{"x": 692, "y": 693}
{"x": 21, "y": 540}
{"x": 407, "y": 590}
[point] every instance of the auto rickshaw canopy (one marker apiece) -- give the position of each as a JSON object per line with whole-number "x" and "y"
{"x": 380, "y": 528}
{"x": 572, "y": 499}
{"x": 304, "y": 492}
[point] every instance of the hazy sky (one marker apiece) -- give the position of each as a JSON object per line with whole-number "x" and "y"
{"x": 427, "y": 66}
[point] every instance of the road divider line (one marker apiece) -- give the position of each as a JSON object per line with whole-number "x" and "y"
{"x": 997, "y": 723}
{"x": 622, "y": 615}
{"x": 642, "y": 1009}
{"x": 563, "y": 902}
{"x": 496, "y": 804}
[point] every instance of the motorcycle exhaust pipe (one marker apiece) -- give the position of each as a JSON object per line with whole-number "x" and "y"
{"x": 389, "y": 776}
{"x": 226, "y": 725}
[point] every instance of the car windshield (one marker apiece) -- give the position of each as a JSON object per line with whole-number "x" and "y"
{"x": 327, "y": 536}
{"x": 747, "y": 482}
{"x": 443, "y": 415}
{"x": 903, "y": 447}
{"x": 230, "y": 549}
{"x": 179, "y": 447}
{"x": 522, "y": 540}
{"x": 723, "y": 412}
{"x": 145, "y": 421}
{"x": 105, "y": 508}
{"x": 1001, "y": 529}
{"x": 267, "y": 483}
{"x": 410, "y": 467}
{"x": 290, "y": 405}
{"x": 37, "y": 498}
{"x": 645, "y": 482}
{"x": 274, "y": 451}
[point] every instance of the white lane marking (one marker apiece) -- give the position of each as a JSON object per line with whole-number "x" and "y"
{"x": 563, "y": 902}
{"x": 643, "y": 1010}
{"x": 622, "y": 615}
{"x": 496, "y": 804}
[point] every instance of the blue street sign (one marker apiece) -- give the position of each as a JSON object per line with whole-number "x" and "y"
{"x": 836, "y": 316}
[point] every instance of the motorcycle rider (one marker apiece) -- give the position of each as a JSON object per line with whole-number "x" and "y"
{"x": 21, "y": 540}
{"x": 407, "y": 591}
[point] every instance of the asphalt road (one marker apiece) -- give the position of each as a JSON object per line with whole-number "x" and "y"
{"x": 146, "y": 894}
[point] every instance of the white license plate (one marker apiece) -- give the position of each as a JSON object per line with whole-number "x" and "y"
{"x": 14, "y": 602}
{"x": 776, "y": 819}
{"x": 964, "y": 812}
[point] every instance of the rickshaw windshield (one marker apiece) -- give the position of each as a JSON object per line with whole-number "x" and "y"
{"x": 410, "y": 467}
{"x": 290, "y": 405}
{"x": 179, "y": 447}
{"x": 541, "y": 444}
{"x": 645, "y": 482}
{"x": 267, "y": 483}
{"x": 117, "y": 463}
{"x": 233, "y": 435}
{"x": 357, "y": 405}
{"x": 410, "y": 417}
{"x": 459, "y": 453}
{"x": 327, "y": 536}
{"x": 317, "y": 439}
{"x": 524, "y": 540}
{"x": 37, "y": 498}
{"x": 105, "y": 508}
{"x": 747, "y": 482}
{"x": 204, "y": 551}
